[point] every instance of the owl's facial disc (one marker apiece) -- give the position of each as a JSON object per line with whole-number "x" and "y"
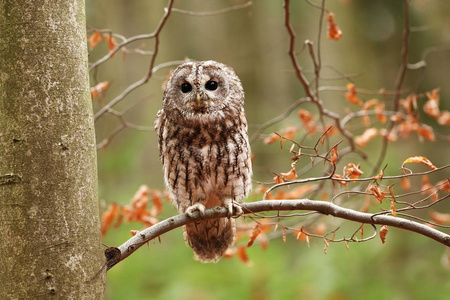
{"x": 204, "y": 93}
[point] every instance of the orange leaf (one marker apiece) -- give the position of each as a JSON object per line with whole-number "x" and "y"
{"x": 431, "y": 107}
{"x": 99, "y": 89}
{"x": 440, "y": 218}
{"x": 134, "y": 232}
{"x": 289, "y": 132}
{"x": 351, "y": 94}
{"x": 380, "y": 175}
{"x": 375, "y": 190}
{"x": 405, "y": 183}
{"x": 94, "y": 39}
{"x": 380, "y": 112}
{"x": 112, "y": 44}
{"x": 366, "y": 106}
{"x": 289, "y": 175}
{"x": 383, "y": 232}
{"x": 368, "y": 135}
{"x": 300, "y": 191}
{"x": 320, "y": 229}
{"x": 341, "y": 182}
{"x": 426, "y": 132}
{"x": 242, "y": 255}
{"x": 353, "y": 171}
{"x": 255, "y": 232}
{"x": 444, "y": 185}
{"x": 108, "y": 216}
{"x": 334, "y": 155}
{"x": 272, "y": 138}
{"x": 157, "y": 202}
{"x": 393, "y": 209}
{"x": 420, "y": 160}
{"x": 444, "y": 118}
{"x": 334, "y": 32}
{"x": 307, "y": 119}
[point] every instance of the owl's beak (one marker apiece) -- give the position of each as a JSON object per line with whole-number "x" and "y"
{"x": 198, "y": 99}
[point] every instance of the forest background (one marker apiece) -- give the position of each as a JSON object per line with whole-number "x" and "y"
{"x": 254, "y": 41}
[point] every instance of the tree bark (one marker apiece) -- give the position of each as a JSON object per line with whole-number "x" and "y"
{"x": 50, "y": 244}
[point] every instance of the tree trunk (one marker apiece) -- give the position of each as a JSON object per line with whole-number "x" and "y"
{"x": 50, "y": 245}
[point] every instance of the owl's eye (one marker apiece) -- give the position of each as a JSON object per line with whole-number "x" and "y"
{"x": 211, "y": 85}
{"x": 186, "y": 87}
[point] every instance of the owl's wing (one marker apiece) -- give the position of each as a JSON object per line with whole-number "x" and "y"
{"x": 158, "y": 120}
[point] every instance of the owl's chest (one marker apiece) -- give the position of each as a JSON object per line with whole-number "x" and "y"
{"x": 206, "y": 155}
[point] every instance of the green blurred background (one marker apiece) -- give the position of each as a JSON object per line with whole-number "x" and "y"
{"x": 254, "y": 42}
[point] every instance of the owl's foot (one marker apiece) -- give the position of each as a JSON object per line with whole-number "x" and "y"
{"x": 196, "y": 207}
{"x": 231, "y": 206}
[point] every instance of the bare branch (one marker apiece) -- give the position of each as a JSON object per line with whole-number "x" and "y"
{"x": 213, "y": 13}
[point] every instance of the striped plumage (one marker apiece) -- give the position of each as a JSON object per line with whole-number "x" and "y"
{"x": 204, "y": 150}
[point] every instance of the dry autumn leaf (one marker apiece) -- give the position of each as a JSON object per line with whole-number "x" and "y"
{"x": 108, "y": 216}
{"x": 334, "y": 155}
{"x": 440, "y": 218}
{"x": 334, "y": 32}
{"x": 271, "y": 138}
{"x": 420, "y": 160}
{"x": 383, "y": 232}
{"x": 255, "y": 232}
{"x": 351, "y": 94}
{"x": 367, "y": 136}
{"x": 431, "y": 107}
{"x": 241, "y": 253}
{"x": 375, "y": 190}
{"x": 94, "y": 39}
{"x": 99, "y": 89}
{"x": 111, "y": 41}
{"x": 405, "y": 183}
{"x": 353, "y": 171}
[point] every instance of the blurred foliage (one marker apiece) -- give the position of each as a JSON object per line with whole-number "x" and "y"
{"x": 254, "y": 42}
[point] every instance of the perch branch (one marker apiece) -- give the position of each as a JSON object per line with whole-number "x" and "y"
{"x": 115, "y": 255}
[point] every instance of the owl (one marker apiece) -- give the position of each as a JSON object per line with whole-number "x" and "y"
{"x": 205, "y": 152}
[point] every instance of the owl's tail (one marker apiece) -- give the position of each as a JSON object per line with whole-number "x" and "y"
{"x": 210, "y": 238}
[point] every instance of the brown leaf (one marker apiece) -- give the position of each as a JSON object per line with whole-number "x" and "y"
{"x": 431, "y": 107}
{"x": 353, "y": 171}
{"x": 94, "y": 39}
{"x": 242, "y": 255}
{"x": 405, "y": 183}
{"x": 334, "y": 155}
{"x": 334, "y": 32}
{"x": 99, "y": 89}
{"x": 383, "y": 232}
{"x": 440, "y": 218}
{"x": 112, "y": 44}
{"x": 420, "y": 160}
{"x": 108, "y": 216}
{"x": 351, "y": 94}
{"x": 366, "y": 137}
{"x": 272, "y": 138}
{"x": 255, "y": 232}
{"x": 375, "y": 190}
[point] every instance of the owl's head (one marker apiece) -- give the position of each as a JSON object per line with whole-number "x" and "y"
{"x": 200, "y": 89}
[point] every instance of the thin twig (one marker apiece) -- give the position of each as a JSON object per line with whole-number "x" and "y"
{"x": 398, "y": 84}
{"x": 213, "y": 13}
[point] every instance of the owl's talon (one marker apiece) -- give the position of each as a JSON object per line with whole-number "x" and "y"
{"x": 233, "y": 206}
{"x": 196, "y": 207}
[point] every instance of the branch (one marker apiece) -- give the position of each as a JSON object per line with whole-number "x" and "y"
{"x": 115, "y": 255}
{"x": 213, "y": 13}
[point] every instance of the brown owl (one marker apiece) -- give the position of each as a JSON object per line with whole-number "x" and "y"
{"x": 204, "y": 149}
